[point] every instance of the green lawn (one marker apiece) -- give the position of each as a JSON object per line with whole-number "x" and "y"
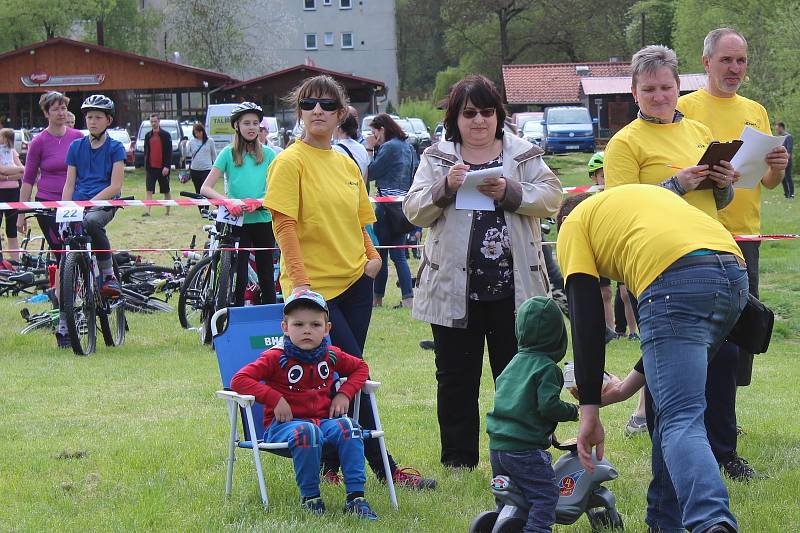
{"x": 132, "y": 439}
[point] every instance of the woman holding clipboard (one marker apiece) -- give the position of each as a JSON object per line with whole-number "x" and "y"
{"x": 661, "y": 147}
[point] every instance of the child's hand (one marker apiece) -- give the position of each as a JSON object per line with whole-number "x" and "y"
{"x": 339, "y": 406}
{"x": 282, "y": 411}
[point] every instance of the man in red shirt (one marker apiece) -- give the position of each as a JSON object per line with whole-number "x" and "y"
{"x": 157, "y": 162}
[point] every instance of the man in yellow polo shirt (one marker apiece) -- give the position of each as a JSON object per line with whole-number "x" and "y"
{"x": 726, "y": 114}
{"x": 689, "y": 277}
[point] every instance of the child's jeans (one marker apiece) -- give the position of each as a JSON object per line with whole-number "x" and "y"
{"x": 305, "y": 442}
{"x": 532, "y": 473}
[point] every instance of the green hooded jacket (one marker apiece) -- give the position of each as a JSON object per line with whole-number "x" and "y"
{"x": 527, "y": 402}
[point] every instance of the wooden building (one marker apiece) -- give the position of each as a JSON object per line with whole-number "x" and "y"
{"x": 139, "y": 85}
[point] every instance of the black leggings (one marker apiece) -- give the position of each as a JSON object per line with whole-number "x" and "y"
{"x": 198, "y": 177}
{"x": 9, "y": 195}
{"x": 256, "y": 235}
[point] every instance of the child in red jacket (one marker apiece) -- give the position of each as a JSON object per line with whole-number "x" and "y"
{"x": 299, "y": 404}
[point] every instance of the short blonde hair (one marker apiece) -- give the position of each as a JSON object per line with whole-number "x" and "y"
{"x": 651, "y": 58}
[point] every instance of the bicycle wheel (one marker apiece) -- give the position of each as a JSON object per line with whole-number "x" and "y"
{"x": 140, "y": 303}
{"x": 145, "y": 279}
{"x": 111, "y": 313}
{"x": 226, "y": 284}
{"x": 191, "y": 296}
{"x": 78, "y": 303}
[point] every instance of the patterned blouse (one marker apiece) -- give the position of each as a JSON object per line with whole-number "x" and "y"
{"x": 491, "y": 267}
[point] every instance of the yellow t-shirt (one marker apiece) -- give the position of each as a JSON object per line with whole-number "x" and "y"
{"x": 641, "y": 151}
{"x": 324, "y": 192}
{"x": 726, "y": 118}
{"x": 633, "y": 233}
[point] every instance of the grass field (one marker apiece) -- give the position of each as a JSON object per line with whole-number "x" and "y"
{"x": 132, "y": 439}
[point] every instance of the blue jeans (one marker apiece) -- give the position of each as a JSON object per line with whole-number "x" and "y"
{"x": 532, "y": 473}
{"x": 305, "y": 442}
{"x": 685, "y": 314}
{"x": 398, "y": 256}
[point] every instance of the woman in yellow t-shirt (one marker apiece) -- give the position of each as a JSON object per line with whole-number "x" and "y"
{"x": 661, "y": 147}
{"x": 319, "y": 208}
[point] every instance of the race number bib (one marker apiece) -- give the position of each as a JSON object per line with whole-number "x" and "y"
{"x": 69, "y": 214}
{"x": 225, "y": 216}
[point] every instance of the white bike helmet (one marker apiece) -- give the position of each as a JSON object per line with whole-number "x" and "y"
{"x": 246, "y": 107}
{"x": 98, "y": 102}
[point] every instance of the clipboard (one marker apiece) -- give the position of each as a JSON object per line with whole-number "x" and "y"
{"x": 716, "y": 152}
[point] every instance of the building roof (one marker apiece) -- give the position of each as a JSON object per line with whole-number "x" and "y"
{"x": 622, "y": 84}
{"x": 308, "y": 70}
{"x": 216, "y": 76}
{"x": 555, "y": 83}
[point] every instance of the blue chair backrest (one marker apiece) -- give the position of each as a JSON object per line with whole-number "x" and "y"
{"x": 250, "y": 330}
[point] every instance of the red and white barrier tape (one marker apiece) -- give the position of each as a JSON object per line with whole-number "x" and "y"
{"x": 157, "y": 250}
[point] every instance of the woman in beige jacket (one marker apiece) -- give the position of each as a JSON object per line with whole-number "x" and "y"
{"x": 477, "y": 266}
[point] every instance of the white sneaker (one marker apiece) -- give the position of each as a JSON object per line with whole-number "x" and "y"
{"x": 635, "y": 426}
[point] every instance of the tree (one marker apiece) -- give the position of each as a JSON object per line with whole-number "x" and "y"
{"x": 658, "y": 16}
{"x": 420, "y": 45}
{"x": 219, "y": 34}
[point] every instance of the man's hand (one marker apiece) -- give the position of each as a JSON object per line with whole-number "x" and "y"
{"x": 372, "y": 267}
{"x": 339, "y": 406}
{"x": 282, "y": 411}
{"x": 590, "y": 434}
{"x": 778, "y": 159}
{"x": 165, "y": 171}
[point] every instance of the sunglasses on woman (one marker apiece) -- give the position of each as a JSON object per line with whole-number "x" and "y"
{"x": 471, "y": 112}
{"x": 327, "y": 104}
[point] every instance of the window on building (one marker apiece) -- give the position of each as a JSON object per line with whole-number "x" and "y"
{"x": 311, "y": 41}
{"x": 345, "y": 4}
{"x": 347, "y": 39}
{"x": 328, "y": 38}
{"x": 309, "y": 4}
{"x": 326, "y": 2}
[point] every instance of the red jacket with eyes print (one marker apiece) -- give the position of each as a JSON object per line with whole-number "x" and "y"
{"x": 306, "y": 387}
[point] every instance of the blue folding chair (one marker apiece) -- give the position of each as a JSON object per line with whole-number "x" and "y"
{"x": 240, "y": 335}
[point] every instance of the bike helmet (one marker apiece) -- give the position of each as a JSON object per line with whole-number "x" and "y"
{"x": 596, "y": 162}
{"x": 98, "y": 102}
{"x": 246, "y": 107}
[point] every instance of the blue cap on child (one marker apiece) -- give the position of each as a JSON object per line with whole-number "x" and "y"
{"x": 304, "y": 295}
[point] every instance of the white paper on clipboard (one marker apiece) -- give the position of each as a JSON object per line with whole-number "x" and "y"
{"x": 469, "y": 197}
{"x": 750, "y": 159}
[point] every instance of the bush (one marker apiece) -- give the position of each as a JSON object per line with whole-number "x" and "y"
{"x": 423, "y": 109}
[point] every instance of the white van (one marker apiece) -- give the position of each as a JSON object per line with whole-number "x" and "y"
{"x": 218, "y": 124}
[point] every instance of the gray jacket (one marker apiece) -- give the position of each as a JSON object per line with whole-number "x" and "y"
{"x": 532, "y": 192}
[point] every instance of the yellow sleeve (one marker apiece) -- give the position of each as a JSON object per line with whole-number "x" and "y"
{"x": 366, "y": 213}
{"x": 283, "y": 187}
{"x": 575, "y": 254}
{"x": 620, "y": 166}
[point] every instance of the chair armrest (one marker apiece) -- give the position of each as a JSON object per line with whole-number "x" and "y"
{"x": 369, "y": 386}
{"x": 244, "y": 400}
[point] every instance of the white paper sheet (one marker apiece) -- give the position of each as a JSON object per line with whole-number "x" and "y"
{"x": 750, "y": 159}
{"x": 469, "y": 197}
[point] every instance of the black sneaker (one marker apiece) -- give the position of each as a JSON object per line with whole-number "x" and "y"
{"x": 738, "y": 469}
{"x": 314, "y": 506}
{"x": 427, "y": 345}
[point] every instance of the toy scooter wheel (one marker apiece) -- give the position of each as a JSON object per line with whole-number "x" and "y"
{"x": 512, "y": 524}
{"x": 604, "y": 520}
{"x": 484, "y": 522}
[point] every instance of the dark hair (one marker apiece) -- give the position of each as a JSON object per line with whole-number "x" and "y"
{"x": 482, "y": 93}
{"x": 153, "y": 115}
{"x": 570, "y": 203}
{"x": 49, "y": 98}
{"x": 318, "y": 87}
{"x": 391, "y": 129}
{"x": 350, "y": 126}
{"x": 199, "y": 128}
{"x": 781, "y": 124}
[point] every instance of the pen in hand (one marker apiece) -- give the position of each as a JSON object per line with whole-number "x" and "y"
{"x": 676, "y": 167}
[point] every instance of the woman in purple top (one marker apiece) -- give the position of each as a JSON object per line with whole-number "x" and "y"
{"x": 47, "y": 162}
{"x": 46, "y": 168}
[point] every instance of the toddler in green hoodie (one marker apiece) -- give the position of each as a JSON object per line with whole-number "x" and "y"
{"x": 527, "y": 407}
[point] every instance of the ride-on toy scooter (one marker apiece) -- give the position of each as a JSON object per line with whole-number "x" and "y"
{"x": 579, "y": 492}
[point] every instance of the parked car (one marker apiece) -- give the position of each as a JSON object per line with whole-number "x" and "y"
{"x": 421, "y": 131}
{"x": 408, "y": 129}
{"x": 520, "y": 119}
{"x": 121, "y": 135}
{"x": 175, "y": 131}
{"x": 438, "y": 132}
{"x": 22, "y": 138}
{"x": 365, "y": 131}
{"x": 568, "y": 129}
{"x": 533, "y": 131}
{"x": 273, "y": 132}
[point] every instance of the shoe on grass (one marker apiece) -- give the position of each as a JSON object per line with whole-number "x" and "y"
{"x": 62, "y": 341}
{"x": 634, "y": 337}
{"x": 411, "y": 478}
{"x": 635, "y": 426}
{"x": 360, "y": 508}
{"x": 738, "y": 469}
{"x": 314, "y": 505}
{"x": 610, "y": 335}
{"x": 427, "y": 345}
